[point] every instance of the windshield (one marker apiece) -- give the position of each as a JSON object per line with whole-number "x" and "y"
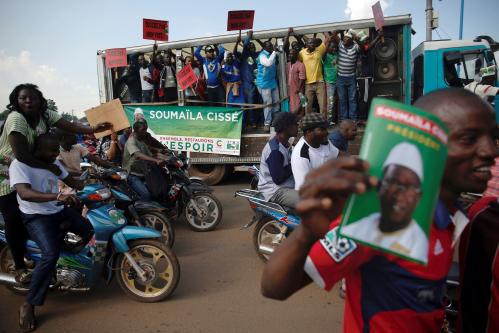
{"x": 463, "y": 68}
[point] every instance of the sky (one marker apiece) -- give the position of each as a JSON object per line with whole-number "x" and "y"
{"x": 53, "y": 43}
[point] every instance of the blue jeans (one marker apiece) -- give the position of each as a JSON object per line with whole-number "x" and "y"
{"x": 147, "y": 96}
{"x": 251, "y": 97}
{"x": 347, "y": 87}
{"x": 139, "y": 185}
{"x": 269, "y": 96}
{"x": 47, "y": 233}
{"x": 330, "y": 91}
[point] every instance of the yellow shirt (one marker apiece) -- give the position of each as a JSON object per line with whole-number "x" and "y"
{"x": 313, "y": 63}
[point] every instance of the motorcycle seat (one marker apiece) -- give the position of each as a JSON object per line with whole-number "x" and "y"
{"x": 290, "y": 210}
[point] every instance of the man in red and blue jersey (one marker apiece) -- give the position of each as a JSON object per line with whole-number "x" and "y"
{"x": 386, "y": 293}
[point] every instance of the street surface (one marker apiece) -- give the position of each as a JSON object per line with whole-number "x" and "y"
{"x": 219, "y": 291}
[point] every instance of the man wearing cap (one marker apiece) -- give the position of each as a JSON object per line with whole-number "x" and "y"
{"x": 346, "y": 84}
{"x": 211, "y": 67}
{"x": 276, "y": 181}
{"x": 266, "y": 82}
{"x": 399, "y": 193}
{"x": 313, "y": 148}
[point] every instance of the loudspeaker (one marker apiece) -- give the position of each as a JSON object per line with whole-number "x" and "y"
{"x": 386, "y": 62}
{"x": 386, "y": 49}
{"x": 386, "y": 70}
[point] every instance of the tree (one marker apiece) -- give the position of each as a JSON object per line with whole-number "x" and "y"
{"x": 69, "y": 117}
{"x": 51, "y": 105}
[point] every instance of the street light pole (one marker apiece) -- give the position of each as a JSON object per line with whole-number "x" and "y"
{"x": 429, "y": 19}
{"x": 461, "y": 20}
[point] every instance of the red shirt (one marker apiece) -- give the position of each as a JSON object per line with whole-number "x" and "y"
{"x": 385, "y": 293}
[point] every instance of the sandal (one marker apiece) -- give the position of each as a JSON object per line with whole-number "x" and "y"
{"x": 27, "y": 320}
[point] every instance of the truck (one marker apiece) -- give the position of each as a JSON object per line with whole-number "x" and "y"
{"x": 389, "y": 70}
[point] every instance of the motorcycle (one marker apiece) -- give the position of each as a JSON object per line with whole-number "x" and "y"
{"x": 190, "y": 198}
{"x": 137, "y": 212}
{"x": 147, "y": 270}
{"x": 274, "y": 222}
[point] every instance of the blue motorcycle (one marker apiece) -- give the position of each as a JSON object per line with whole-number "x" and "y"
{"x": 273, "y": 222}
{"x": 147, "y": 270}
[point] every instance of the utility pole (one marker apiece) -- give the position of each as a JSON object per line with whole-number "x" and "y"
{"x": 429, "y": 19}
{"x": 461, "y": 20}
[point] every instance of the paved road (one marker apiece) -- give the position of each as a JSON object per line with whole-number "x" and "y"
{"x": 218, "y": 291}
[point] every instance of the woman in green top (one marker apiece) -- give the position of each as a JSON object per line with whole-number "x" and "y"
{"x": 28, "y": 117}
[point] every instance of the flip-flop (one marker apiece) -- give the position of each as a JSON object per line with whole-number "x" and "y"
{"x": 27, "y": 320}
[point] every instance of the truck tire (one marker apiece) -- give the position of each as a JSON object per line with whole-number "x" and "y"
{"x": 211, "y": 174}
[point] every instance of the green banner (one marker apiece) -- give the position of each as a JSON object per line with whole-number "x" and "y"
{"x": 203, "y": 129}
{"x": 406, "y": 149}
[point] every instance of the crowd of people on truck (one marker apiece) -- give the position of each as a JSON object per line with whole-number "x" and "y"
{"x": 314, "y": 177}
{"x": 316, "y": 71}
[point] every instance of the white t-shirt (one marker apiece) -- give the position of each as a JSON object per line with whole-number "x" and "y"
{"x": 145, "y": 72}
{"x": 41, "y": 180}
{"x": 305, "y": 158}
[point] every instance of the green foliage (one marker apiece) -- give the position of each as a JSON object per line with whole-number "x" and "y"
{"x": 51, "y": 105}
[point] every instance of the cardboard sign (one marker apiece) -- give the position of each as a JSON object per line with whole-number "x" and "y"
{"x": 406, "y": 149}
{"x": 111, "y": 112}
{"x": 155, "y": 30}
{"x": 186, "y": 77}
{"x": 379, "y": 19}
{"x": 240, "y": 20}
{"x": 116, "y": 58}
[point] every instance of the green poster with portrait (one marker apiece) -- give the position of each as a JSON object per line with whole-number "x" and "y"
{"x": 406, "y": 149}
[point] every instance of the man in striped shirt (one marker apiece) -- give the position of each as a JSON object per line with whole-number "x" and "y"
{"x": 348, "y": 53}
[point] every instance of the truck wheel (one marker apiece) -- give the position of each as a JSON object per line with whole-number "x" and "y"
{"x": 211, "y": 174}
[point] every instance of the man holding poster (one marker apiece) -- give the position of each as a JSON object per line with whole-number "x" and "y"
{"x": 386, "y": 293}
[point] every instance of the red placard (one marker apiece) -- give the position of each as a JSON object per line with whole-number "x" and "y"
{"x": 186, "y": 77}
{"x": 116, "y": 58}
{"x": 240, "y": 20}
{"x": 155, "y": 30}
{"x": 379, "y": 19}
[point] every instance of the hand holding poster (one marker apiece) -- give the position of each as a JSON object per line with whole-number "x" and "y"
{"x": 109, "y": 112}
{"x": 116, "y": 58}
{"x": 240, "y": 20}
{"x": 406, "y": 150}
{"x": 186, "y": 77}
{"x": 155, "y": 30}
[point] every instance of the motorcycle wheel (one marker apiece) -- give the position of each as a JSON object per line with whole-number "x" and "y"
{"x": 7, "y": 266}
{"x": 161, "y": 267}
{"x": 267, "y": 234}
{"x": 160, "y": 223}
{"x": 211, "y": 214}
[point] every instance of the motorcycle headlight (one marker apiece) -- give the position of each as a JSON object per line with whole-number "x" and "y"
{"x": 123, "y": 175}
{"x": 105, "y": 193}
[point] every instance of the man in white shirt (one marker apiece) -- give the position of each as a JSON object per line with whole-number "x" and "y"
{"x": 46, "y": 220}
{"x": 145, "y": 80}
{"x": 393, "y": 228}
{"x": 313, "y": 149}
